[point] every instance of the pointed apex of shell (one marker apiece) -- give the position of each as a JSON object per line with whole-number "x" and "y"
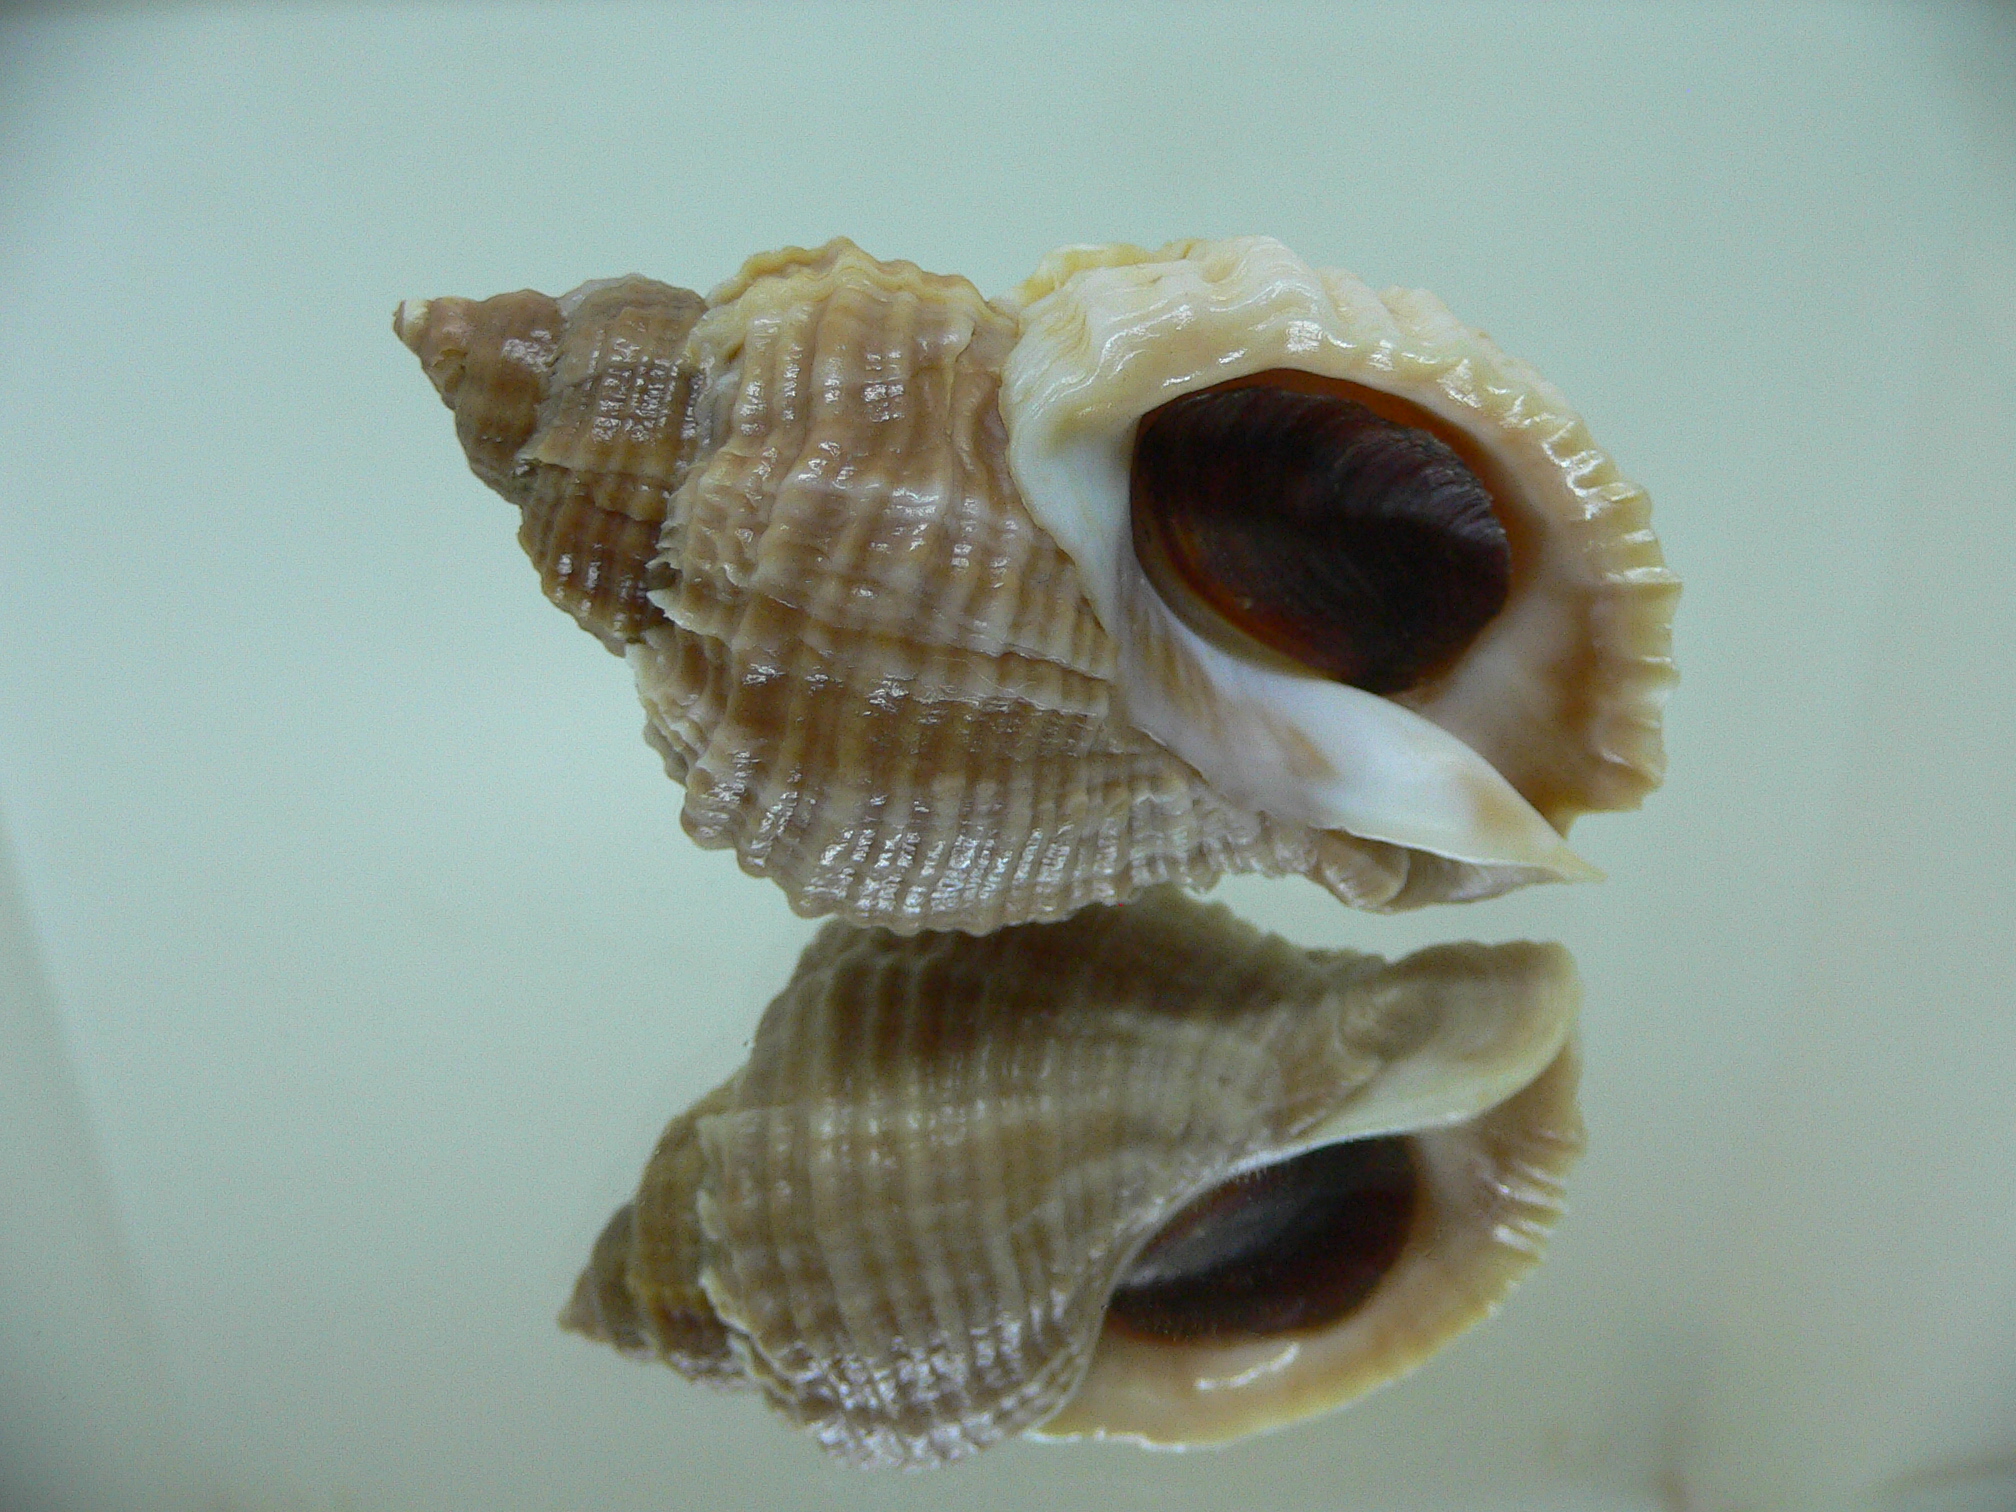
{"x": 408, "y": 321}
{"x": 601, "y": 1308}
{"x": 582, "y": 1315}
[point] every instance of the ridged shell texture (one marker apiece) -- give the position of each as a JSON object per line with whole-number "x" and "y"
{"x": 876, "y": 661}
{"x": 904, "y": 1218}
{"x": 964, "y": 620}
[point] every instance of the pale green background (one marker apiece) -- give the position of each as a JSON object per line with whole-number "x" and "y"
{"x": 350, "y": 953}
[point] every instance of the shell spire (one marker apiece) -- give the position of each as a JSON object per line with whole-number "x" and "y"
{"x": 572, "y": 409}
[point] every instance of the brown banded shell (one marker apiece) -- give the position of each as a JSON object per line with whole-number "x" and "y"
{"x": 889, "y": 677}
{"x": 1146, "y": 1173}
{"x": 570, "y": 408}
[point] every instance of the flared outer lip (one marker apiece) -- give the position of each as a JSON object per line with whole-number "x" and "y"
{"x": 1110, "y": 334}
{"x": 1493, "y": 1191}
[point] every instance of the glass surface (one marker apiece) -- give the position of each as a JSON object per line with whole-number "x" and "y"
{"x": 353, "y": 957}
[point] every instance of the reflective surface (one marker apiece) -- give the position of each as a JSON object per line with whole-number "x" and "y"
{"x": 916, "y": 1217}
{"x": 361, "y": 919}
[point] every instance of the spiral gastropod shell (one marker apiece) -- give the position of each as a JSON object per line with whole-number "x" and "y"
{"x": 1147, "y": 1173}
{"x": 951, "y": 614}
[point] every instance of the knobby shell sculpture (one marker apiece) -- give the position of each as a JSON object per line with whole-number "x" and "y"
{"x": 951, "y": 614}
{"x": 1147, "y": 1173}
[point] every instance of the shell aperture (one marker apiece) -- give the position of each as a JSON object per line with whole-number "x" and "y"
{"x": 1552, "y": 711}
{"x": 1291, "y": 1245}
{"x": 1359, "y": 548}
{"x": 863, "y": 538}
{"x": 905, "y": 1219}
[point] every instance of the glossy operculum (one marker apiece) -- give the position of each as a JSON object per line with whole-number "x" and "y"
{"x": 1298, "y": 1244}
{"x": 1352, "y": 544}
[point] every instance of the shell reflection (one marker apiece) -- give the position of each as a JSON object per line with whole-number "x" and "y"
{"x": 933, "y": 644}
{"x": 1146, "y": 1173}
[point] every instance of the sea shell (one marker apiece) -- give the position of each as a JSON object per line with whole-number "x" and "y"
{"x": 864, "y": 538}
{"x": 1147, "y": 1173}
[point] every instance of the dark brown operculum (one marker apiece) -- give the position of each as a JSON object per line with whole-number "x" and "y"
{"x": 579, "y": 417}
{"x": 1289, "y": 1247}
{"x": 1351, "y": 544}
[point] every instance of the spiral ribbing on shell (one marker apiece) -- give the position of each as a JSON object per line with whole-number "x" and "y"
{"x": 884, "y": 682}
{"x": 902, "y": 1220}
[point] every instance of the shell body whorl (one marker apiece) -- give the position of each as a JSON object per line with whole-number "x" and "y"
{"x": 904, "y": 1218}
{"x": 891, "y": 673}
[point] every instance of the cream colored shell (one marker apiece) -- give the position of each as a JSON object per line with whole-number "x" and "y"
{"x": 892, "y": 674}
{"x": 903, "y": 1219}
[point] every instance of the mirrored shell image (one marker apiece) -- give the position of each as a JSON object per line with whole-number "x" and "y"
{"x": 1148, "y": 1174}
{"x": 951, "y": 614}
